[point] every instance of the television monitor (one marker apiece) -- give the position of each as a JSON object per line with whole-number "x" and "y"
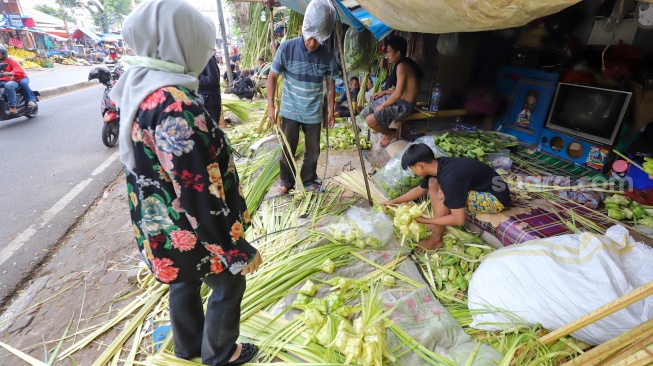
{"x": 587, "y": 112}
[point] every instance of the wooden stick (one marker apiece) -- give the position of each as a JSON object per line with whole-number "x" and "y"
{"x": 641, "y": 358}
{"x": 598, "y": 353}
{"x": 626, "y": 353}
{"x": 600, "y": 313}
{"x": 352, "y": 110}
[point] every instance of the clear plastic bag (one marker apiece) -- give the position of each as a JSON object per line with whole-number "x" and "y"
{"x": 394, "y": 180}
{"x": 448, "y": 44}
{"x": 372, "y": 222}
{"x": 319, "y": 20}
{"x": 347, "y": 231}
{"x": 360, "y": 49}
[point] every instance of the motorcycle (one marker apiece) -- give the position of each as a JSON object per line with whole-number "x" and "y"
{"x": 108, "y": 108}
{"x": 24, "y": 110}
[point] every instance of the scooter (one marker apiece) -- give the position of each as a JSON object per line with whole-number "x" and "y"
{"x": 21, "y": 103}
{"x": 108, "y": 108}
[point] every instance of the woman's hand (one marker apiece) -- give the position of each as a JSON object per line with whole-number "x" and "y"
{"x": 253, "y": 265}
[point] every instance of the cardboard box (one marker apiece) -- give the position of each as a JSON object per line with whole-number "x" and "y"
{"x": 642, "y": 104}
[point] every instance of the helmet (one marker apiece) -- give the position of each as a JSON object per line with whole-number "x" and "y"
{"x": 101, "y": 73}
{"x": 3, "y": 52}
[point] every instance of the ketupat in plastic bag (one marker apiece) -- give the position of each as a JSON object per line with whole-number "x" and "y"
{"x": 360, "y": 49}
{"x": 394, "y": 180}
{"x": 319, "y": 20}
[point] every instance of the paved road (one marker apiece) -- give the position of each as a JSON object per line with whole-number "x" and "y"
{"x": 51, "y": 170}
{"x": 60, "y": 76}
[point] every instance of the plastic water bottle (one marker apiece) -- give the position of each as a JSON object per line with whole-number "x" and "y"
{"x": 435, "y": 99}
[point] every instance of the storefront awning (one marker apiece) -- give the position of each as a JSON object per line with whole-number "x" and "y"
{"x": 81, "y": 32}
{"x": 448, "y": 16}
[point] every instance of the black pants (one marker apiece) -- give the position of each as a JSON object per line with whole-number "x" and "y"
{"x": 308, "y": 173}
{"x": 213, "y": 105}
{"x": 214, "y": 336}
{"x": 343, "y": 111}
{"x": 248, "y": 93}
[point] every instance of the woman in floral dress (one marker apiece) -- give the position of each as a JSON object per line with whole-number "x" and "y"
{"x": 186, "y": 202}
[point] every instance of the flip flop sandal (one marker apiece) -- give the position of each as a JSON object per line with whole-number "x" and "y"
{"x": 317, "y": 188}
{"x": 247, "y": 353}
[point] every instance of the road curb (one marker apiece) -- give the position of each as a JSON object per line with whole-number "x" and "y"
{"x": 59, "y": 90}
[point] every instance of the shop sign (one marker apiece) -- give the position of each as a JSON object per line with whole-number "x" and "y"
{"x": 15, "y": 20}
{"x": 15, "y": 42}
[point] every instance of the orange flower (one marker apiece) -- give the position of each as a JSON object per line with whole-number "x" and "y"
{"x": 163, "y": 174}
{"x": 217, "y": 190}
{"x": 236, "y": 231}
{"x": 214, "y": 173}
{"x": 216, "y": 265}
{"x": 246, "y": 217}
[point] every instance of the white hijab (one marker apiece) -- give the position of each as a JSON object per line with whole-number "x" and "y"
{"x": 173, "y": 42}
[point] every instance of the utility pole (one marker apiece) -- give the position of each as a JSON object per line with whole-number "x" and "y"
{"x": 227, "y": 61}
{"x": 71, "y": 45}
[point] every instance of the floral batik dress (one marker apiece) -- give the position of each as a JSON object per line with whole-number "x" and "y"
{"x": 186, "y": 202}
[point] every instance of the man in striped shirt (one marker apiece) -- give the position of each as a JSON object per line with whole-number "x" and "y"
{"x": 306, "y": 66}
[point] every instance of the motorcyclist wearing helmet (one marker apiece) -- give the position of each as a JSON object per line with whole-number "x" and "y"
{"x": 13, "y": 76}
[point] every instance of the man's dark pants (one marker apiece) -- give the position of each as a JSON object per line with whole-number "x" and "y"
{"x": 212, "y": 336}
{"x": 308, "y": 172}
{"x": 213, "y": 105}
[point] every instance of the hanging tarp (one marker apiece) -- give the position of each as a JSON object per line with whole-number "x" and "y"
{"x": 378, "y": 29}
{"x": 448, "y": 16}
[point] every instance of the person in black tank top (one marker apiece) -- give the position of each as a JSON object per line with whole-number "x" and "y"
{"x": 456, "y": 187}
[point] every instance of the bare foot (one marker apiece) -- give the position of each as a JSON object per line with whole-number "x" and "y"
{"x": 283, "y": 190}
{"x": 236, "y": 354}
{"x": 387, "y": 139}
{"x": 430, "y": 243}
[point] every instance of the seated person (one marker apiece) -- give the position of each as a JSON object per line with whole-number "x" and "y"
{"x": 389, "y": 105}
{"x": 342, "y": 105}
{"x": 11, "y": 79}
{"x": 113, "y": 55}
{"x": 244, "y": 86}
{"x": 369, "y": 90}
{"x": 235, "y": 73}
{"x": 455, "y": 186}
{"x": 260, "y": 63}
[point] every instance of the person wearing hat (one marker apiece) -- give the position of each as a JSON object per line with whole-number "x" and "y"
{"x": 186, "y": 203}
{"x": 305, "y": 63}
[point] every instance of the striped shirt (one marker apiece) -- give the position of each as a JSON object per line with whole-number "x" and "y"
{"x": 303, "y": 79}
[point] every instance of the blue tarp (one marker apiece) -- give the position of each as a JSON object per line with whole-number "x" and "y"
{"x": 343, "y": 13}
{"x": 378, "y": 29}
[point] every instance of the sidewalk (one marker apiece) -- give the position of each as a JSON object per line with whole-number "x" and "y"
{"x": 80, "y": 283}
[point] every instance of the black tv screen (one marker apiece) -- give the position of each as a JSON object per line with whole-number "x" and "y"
{"x": 589, "y": 112}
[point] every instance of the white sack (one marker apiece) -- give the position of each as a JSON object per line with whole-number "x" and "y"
{"x": 554, "y": 281}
